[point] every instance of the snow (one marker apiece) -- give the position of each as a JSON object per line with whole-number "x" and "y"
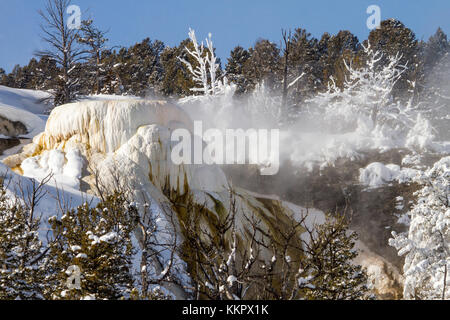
{"x": 24, "y": 99}
{"x": 65, "y": 168}
{"x": 425, "y": 245}
{"x": 231, "y": 280}
{"x": 33, "y": 123}
{"x": 377, "y": 174}
{"x": 24, "y": 106}
{"x": 400, "y": 203}
{"x": 48, "y": 206}
{"x": 108, "y": 237}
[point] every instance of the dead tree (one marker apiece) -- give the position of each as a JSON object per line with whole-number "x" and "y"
{"x": 287, "y": 41}
{"x": 63, "y": 48}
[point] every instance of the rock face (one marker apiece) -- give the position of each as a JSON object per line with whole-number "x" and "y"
{"x": 128, "y": 142}
{"x": 11, "y": 128}
{"x": 9, "y": 143}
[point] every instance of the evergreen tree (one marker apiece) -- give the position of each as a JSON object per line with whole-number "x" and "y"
{"x": 328, "y": 272}
{"x": 43, "y": 74}
{"x": 112, "y": 83}
{"x": 392, "y": 38}
{"x": 436, "y": 84}
{"x": 177, "y": 80}
{"x": 333, "y": 50}
{"x": 143, "y": 67}
{"x": 264, "y": 65}
{"x": 426, "y": 244}
{"x": 22, "y": 273}
{"x": 435, "y": 49}
{"x": 235, "y": 68}
{"x": 303, "y": 62}
{"x": 98, "y": 242}
{"x": 95, "y": 40}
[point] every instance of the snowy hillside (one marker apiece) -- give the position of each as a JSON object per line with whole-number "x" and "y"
{"x": 25, "y": 106}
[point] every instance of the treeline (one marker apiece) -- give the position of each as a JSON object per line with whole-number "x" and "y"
{"x": 153, "y": 68}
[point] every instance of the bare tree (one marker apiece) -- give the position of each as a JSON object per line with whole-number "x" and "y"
{"x": 285, "y": 258}
{"x": 219, "y": 265}
{"x": 63, "y": 48}
{"x": 286, "y": 50}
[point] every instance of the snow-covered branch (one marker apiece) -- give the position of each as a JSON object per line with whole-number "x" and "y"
{"x": 205, "y": 74}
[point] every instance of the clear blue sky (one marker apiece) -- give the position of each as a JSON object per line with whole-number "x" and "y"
{"x": 232, "y": 22}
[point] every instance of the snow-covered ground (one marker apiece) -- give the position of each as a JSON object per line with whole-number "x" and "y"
{"x": 377, "y": 174}
{"x": 22, "y": 187}
{"x": 25, "y": 106}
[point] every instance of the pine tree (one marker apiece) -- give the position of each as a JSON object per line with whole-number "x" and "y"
{"x": 112, "y": 83}
{"x": 143, "y": 67}
{"x": 235, "y": 69}
{"x": 328, "y": 272}
{"x": 264, "y": 65}
{"x": 304, "y": 72}
{"x": 392, "y": 38}
{"x": 435, "y": 49}
{"x": 177, "y": 80}
{"x": 436, "y": 85}
{"x": 22, "y": 272}
{"x": 333, "y": 51}
{"x": 96, "y": 241}
{"x": 95, "y": 40}
{"x": 44, "y": 73}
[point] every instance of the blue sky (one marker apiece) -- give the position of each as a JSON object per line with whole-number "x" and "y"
{"x": 232, "y": 22}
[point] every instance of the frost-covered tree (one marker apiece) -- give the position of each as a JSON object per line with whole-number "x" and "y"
{"x": 160, "y": 267}
{"x": 206, "y": 71}
{"x": 367, "y": 96}
{"x": 392, "y": 38}
{"x": 290, "y": 260}
{"x": 367, "y": 90}
{"x": 426, "y": 245}
{"x": 214, "y": 255}
{"x": 263, "y": 106}
{"x": 97, "y": 242}
{"x": 331, "y": 50}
